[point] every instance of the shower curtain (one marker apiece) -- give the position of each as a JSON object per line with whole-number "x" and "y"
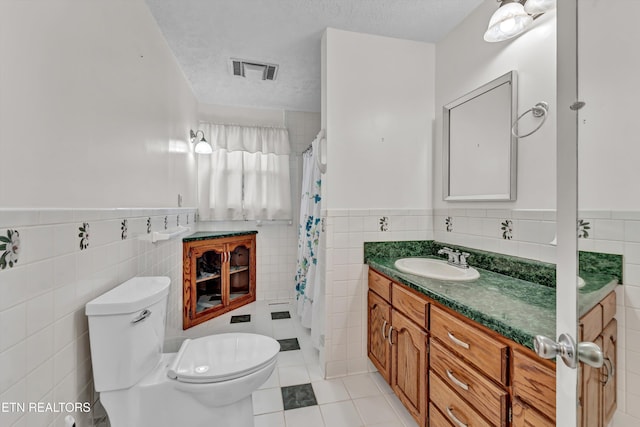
{"x": 309, "y": 277}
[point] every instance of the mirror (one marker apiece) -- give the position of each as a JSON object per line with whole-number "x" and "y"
{"x": 479, "y": 152}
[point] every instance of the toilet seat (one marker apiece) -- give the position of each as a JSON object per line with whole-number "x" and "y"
{"x": 222, "y": 357}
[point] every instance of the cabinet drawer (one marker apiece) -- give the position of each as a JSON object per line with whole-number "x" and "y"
{"x": 380, "y": 285}
{"x": 436, "y": 419}
{"x": 481, "y": 393}
{"x": 452, "y": 406}
{"x": 480, "y": 349}
{"x": 411, "y": 305}
{"x": 535, "y": 382}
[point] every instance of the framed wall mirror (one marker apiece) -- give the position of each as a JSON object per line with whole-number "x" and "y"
{"x": 479, "y": 150}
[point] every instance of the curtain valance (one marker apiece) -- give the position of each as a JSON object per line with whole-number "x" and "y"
{"x": 252, "y": 139}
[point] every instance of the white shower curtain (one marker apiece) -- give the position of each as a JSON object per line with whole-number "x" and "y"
{"x": 309, "y": 277}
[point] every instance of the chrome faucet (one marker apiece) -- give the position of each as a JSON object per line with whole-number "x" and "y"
{"x": 455, "y": 258}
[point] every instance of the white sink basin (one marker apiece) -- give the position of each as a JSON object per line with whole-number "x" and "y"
{"x": 436, "y": 269}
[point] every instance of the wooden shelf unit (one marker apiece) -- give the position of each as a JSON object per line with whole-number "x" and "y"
{"x": 219, "y": 275}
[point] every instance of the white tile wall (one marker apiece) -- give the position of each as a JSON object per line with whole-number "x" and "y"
{"x": 44, "y": 342}
{"x": 533, "y": 230}
{"x": 346, "y": 315}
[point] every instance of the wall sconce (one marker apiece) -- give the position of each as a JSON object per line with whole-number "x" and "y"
{"x": 202, "y": 146}
{"x": 514, "y": 17}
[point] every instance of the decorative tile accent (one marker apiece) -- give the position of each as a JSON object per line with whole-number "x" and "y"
{"x": 298, "y": 396}
{"x": 448, "y": 223}
{"x": 289, "y": 344}
{"x": 507, "y": 229}
{"x": 187, "y": 215}
{"x": 84, "y": 235}
{"x": 280, "y": 315}
{"x": 384, "y": 223}
{"x": 177, "y": 220}
{"x": 149, "y": 225}
{"x": 583, "y": 229}
{"x": 166, "y": 222}
{"x": 243, "y": 318}
{"x": 11, "y": 247}
{"x": 124, "y": 227}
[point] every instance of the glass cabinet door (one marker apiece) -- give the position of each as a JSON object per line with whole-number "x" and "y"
{"x": 239, "y": 270}
{"x": 209, "y": 280}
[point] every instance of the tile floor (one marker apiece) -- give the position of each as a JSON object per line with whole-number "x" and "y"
{"x": 296, "y": 395}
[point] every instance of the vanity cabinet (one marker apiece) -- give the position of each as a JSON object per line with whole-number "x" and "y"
{"x": 397, "y": 341}
{"x": 597, "y": 394}
{"x": 449, "y": 370}
{"x": 219, "y": 275}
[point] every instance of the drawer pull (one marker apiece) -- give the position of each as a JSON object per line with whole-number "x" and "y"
{"x": 457, "y": 342}
{"x": 454, "y": 419}
{"x": 457, "y": 382}
{"x": 384, "y": 326}
{"x": 390, "y": 336}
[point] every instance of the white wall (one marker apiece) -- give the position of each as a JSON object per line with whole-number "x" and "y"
{"x": 379, "y": 109}
{"x": 465, "y": 61}
{"x": 373, "y": 88}
{"x": 94, "y": 111}
{"x": 608, "y": 169}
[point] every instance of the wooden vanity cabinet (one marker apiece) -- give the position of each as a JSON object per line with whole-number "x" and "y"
{"x": 450, "y": 371}
{"x": 219, "y": 275}
{"x": 597, "y": 394}
{"x": 397, "y": 341}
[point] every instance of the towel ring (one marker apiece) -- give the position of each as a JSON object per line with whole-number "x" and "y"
{"x": 539, "y": 110}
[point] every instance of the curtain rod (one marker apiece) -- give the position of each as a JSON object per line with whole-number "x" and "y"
{"x": 245, "y": 125}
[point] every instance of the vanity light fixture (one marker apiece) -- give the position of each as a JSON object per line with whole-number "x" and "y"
{"x": 514, "y": 17}
{"x": 202, "y": 145}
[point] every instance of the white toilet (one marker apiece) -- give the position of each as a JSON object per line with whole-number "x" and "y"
{"x": 208, "y": 382}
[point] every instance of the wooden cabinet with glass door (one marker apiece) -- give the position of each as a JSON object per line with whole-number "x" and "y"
{"x": 219, "y": 274}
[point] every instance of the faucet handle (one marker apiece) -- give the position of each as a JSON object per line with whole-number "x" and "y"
{"x": 463, "y": 259}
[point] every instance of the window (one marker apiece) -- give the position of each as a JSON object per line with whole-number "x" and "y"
{"x": 247, "y": 175}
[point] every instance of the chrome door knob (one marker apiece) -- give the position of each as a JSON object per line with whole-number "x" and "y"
{"x": 586, "y": 352}
{"x": 591, "y": 354}
{"x": 549, "y": 349}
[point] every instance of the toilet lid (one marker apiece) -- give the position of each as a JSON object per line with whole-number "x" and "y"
{"x": 222, "y": 357}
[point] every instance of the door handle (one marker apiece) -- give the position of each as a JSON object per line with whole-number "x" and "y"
{"x": 586, "y": 352}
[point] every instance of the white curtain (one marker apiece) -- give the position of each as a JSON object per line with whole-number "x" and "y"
{"x": 248, "y": 174}
{"x": 309, "y": 278}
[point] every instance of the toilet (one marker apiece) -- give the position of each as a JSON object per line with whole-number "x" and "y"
{"x": 208, "y": 382}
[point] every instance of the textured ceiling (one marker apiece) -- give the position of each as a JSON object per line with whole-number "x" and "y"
{"x": 205, "y": 34}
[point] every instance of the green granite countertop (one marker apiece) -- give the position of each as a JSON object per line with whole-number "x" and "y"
{"x": 205, "y": 235}
{"x": 515, "y": 308}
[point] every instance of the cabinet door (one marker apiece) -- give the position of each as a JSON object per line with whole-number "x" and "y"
{"x": 608, "y": 378}
{"x": 591, "y": 394}
{"x": 525, "y": 416}
{"x": 409, "y": 365}
{"x": 242, "y": 267}
{"x": 204, "y": 278}
{"x": 379, "y": 349}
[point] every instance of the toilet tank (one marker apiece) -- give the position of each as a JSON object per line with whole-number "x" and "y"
{"x": 126, "y": 331}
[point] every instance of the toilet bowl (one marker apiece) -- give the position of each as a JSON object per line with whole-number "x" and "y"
{"x": 208, "y": 382}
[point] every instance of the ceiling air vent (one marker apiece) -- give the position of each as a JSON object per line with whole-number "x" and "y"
{"x": 253, "y": 69}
